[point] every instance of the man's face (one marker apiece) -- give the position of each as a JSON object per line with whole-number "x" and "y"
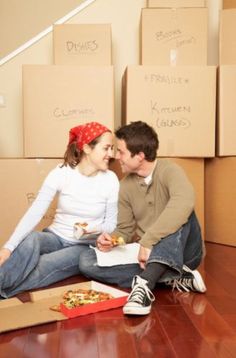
{"x": 128, "y": 164}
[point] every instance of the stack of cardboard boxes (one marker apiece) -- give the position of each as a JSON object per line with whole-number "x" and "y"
{"x": 77, "y": 88}
{"x": 173, "y": 89}
{"x": 220, "y": 172}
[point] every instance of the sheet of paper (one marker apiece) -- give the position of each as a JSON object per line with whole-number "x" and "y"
{"x": 119, "y": 255}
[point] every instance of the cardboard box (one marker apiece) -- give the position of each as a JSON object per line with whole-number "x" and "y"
{"x": 82, "y": 44}
{"x": 15, "y": 314}
{"x": 20, "y": 180}
{"x": 220, "y": 194}
{"x": 57, "y": 98}
{"x": 227, "y": 38}
{"x": 178, "y": 102}
{"x": 174, "y": 36}
{"x": 226, "y": 123}
{"x": 194, "y": 168}
{"x": 176, "y": 3}
{"x": 229, "y": 4}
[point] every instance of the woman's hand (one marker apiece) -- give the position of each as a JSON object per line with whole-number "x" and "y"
{"x": 4, "y": 255}
{"x": 104, "y": 242}
{"x": 143, "y": 256}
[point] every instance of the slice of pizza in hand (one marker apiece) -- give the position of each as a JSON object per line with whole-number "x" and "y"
{"x": 117, "y": 240}
{"x": 79, "y": 229}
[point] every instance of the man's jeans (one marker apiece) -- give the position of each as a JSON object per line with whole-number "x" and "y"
{"x": 184, "y": 247}
{"x": 42, "y": 258}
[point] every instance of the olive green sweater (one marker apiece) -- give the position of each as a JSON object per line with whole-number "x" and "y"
{"x": 156, "y": 210}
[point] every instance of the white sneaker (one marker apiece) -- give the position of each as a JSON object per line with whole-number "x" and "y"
{"x": 191, "y": 280}
{"x": 140, "y": 299}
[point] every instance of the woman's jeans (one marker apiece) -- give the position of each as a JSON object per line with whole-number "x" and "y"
{"x": 41, "y": 259}
{"x": 184, "y": 247}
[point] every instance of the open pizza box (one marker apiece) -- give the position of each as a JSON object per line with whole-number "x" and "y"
{"x": 15, "y": 314}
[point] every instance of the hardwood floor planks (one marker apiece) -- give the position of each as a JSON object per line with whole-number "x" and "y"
{"x": 181, "y": 324}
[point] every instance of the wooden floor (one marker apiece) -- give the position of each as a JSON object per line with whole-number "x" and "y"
{"x": 180, "y": 324}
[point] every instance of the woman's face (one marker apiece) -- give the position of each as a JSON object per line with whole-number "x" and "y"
{"x": 100, "y": 155}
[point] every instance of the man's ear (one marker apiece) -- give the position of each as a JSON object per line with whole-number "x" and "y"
{"x": 141, "y": 156}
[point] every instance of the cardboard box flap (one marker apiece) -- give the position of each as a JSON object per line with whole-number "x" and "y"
{"x": 16, "y": 315}
{"x": 58, "y": 291}
{"x": 10, "y": 302}
{"x": 28, "y": 314}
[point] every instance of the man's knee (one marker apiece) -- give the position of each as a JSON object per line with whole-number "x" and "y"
{"x": 87, "y": 261}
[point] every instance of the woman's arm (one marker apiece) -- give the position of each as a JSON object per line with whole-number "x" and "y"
{"x": 111, "y": 209}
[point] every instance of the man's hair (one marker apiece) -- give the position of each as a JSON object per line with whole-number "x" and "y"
{"x": 139, "y": 137}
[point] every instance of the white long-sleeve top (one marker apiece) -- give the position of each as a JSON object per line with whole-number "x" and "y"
{"x": 80, "y": 199}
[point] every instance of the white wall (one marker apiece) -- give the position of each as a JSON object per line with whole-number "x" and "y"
{"x": 124, "y": 15}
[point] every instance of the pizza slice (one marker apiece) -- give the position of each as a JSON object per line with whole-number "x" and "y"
{"x": 117, "y": 240}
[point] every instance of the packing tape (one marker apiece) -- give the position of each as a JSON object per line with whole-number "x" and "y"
{"x": 173, "y": 57}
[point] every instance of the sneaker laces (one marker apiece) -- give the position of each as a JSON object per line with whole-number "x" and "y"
{"x": 182, "y": 284}
{"x": 190, "y": 280}
{"x": 140, "y": 290}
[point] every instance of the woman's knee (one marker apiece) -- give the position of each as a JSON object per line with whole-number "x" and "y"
{"x": 30, "y": 242}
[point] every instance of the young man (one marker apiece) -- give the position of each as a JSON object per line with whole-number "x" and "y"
{"x": 156, "y": 202}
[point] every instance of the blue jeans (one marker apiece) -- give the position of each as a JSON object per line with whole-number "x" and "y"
{"x": 41, "y": 259}
{"x": 184, "y": 247}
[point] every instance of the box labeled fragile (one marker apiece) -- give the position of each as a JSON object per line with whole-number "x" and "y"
{"x": 178, "y": 102}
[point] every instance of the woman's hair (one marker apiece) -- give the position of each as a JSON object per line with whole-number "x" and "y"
{"x": 73, "y": 154}
{"x": 139, "y": 137}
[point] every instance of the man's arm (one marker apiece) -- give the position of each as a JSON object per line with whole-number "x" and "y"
{"x": 178, "y": 209}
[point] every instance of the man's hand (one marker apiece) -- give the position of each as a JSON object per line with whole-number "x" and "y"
{"x": 143, "y": 256}
{"x": 104, "y": 242}
{"x": 4, "y": 255}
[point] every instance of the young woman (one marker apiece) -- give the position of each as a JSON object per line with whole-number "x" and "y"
{"x": 87, "y": 194}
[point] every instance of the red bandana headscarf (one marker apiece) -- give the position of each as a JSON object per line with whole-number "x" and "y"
{"x": 85, "y": 133}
